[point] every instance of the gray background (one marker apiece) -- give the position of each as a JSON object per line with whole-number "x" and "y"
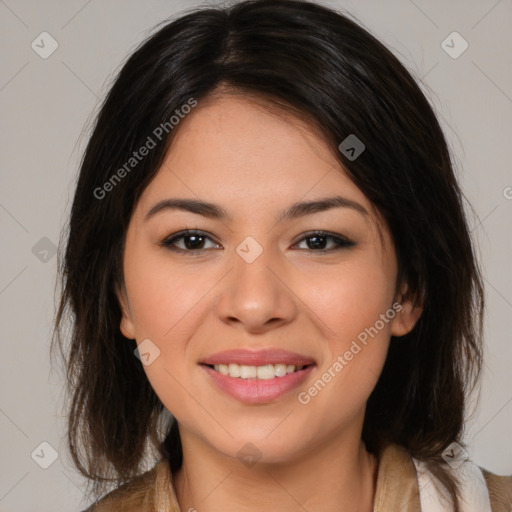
{"x": 45, "y": 104}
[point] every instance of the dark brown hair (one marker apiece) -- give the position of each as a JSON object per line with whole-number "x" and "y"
{"x": 327, "y": 68}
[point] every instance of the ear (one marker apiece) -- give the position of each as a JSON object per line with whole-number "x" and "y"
{"x": 126, "y": 326}
{"x": 407, "y": 313}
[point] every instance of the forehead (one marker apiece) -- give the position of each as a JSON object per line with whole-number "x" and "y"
{"x": 232, "y": 147}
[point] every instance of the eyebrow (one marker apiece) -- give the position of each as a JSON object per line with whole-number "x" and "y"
{"x": 296, "y": 210}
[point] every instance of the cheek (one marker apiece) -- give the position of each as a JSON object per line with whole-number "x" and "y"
{"x": 166, "y": 303}
{"x": 357, "y": 343}
{"x": 354, "y": 305}
{"x": 163, "y": 297}
{"x": 351, "y": 299}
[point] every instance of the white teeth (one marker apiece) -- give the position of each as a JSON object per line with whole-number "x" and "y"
{"x": 266, "y": 372}
{"x": 234, "y": 370}
{"x": 280, "y": 370}
{"x": 248, "y": 372}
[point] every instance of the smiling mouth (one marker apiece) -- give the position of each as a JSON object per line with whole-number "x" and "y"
{"x": 264, "y": 372}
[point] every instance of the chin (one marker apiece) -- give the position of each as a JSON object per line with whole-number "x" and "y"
{"x": 252, "y": 449}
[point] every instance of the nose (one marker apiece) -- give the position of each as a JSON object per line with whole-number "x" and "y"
{"x": 255, "y": 296}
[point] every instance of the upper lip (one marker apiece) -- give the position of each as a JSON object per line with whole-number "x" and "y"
{"x": 258, "y": 357}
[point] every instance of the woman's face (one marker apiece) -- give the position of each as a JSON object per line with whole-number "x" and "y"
{"x": 254, "y": 278}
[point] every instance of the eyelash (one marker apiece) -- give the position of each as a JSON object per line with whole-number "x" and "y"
{"x": 341, "y": 242}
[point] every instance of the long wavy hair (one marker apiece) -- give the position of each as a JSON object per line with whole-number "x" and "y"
{"x": 326, "y": 68}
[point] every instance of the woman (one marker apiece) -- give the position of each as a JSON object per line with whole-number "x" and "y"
{"x": 268, "y": 242}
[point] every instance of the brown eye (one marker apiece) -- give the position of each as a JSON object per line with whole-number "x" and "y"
{"x": 187, "y": 241}
{"x": 318, "y": 240}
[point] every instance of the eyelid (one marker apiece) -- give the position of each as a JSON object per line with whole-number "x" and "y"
{"x": 321, "y": 232}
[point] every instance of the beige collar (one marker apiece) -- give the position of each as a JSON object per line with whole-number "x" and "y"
{"x": 397, "y": 483}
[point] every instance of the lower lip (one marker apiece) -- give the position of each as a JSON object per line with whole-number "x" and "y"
{"x": 258, "y": 391}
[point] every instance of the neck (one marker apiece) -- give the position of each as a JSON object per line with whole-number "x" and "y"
{"x": 337, "y": 476}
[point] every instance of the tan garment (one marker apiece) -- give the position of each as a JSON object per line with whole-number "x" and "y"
{"x": 397, "y": 488}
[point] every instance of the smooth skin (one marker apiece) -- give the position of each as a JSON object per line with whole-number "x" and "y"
{"x": 255, "y": 162}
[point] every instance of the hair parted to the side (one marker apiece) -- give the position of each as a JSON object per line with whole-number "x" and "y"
{"x": 328, "y": 69}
